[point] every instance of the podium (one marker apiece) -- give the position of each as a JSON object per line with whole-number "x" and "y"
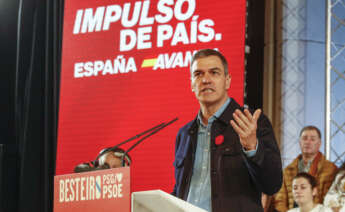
{"x": 109, "y": 190}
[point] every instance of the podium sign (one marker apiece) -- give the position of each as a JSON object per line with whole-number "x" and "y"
{"x": 102, "y": 191}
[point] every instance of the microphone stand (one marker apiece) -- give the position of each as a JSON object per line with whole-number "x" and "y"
{"x": 154, "y": 131}
{"x": 128, "y": 140}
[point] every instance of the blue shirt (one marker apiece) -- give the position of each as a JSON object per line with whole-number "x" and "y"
{"x": 200, "y": 185}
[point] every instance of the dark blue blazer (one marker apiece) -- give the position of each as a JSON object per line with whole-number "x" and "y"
{"x": 236, "y": 180}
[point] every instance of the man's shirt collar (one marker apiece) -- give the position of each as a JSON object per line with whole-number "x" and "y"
{"x": 216, "y": 114}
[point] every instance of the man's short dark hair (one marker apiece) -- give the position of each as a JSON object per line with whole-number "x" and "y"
{"x": 310, "y": 127}
{"x": 210, "y": 52}
{"x": 312, "y": 181}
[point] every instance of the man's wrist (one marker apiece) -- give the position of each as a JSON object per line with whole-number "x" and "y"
{"x": 251, "y": 153}
{"x": 251, "y": 147}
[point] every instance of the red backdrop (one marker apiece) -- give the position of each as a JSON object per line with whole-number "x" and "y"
{"x": 125, "y": 69}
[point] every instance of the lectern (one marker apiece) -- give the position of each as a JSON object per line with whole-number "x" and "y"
{"x": 110, "y": 191}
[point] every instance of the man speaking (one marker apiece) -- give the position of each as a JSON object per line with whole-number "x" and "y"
{"x": 227, "y": 156}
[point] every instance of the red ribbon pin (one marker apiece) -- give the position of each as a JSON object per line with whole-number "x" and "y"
{"x": 219, "y": 139}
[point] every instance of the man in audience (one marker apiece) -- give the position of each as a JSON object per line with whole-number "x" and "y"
{"x": 311, "y": 161}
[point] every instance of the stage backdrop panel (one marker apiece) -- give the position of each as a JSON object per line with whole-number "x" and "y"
{"x": 125, "y": 68}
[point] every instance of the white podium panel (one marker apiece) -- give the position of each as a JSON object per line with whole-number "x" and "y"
{"x": 160, "y": 201}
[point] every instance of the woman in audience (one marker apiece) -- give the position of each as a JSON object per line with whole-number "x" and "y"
{"x": 335, "y": 198}
{"x": 303, "y": 191}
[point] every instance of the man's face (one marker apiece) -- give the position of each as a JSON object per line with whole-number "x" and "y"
{"x": 112, "y": 160}
{"x": 310, "y": 142}
{"x": 209, "y": 82}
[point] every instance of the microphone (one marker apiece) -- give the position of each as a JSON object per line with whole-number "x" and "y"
{"x": 86, "y": 167}
{"x": 95, "y": 162}
{"x": 153, "y": 131}
{"x": 83, "y": 167}
{"x": 104, "y": 166}
{"x": 93, "y": 165}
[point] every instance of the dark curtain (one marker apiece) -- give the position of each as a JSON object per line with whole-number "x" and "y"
{"x": 32, "y": 83}
{"x": 254, "y": 68}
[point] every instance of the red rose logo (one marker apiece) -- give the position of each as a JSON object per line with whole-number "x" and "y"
{"x": 219, "y": 139}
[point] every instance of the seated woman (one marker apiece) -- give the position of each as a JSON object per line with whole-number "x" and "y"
{"x": 303, "y": 191}
{"x": 335, "y": 198}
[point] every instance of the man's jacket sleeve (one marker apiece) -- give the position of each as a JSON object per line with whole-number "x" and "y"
{"x": 265, "y": 166}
